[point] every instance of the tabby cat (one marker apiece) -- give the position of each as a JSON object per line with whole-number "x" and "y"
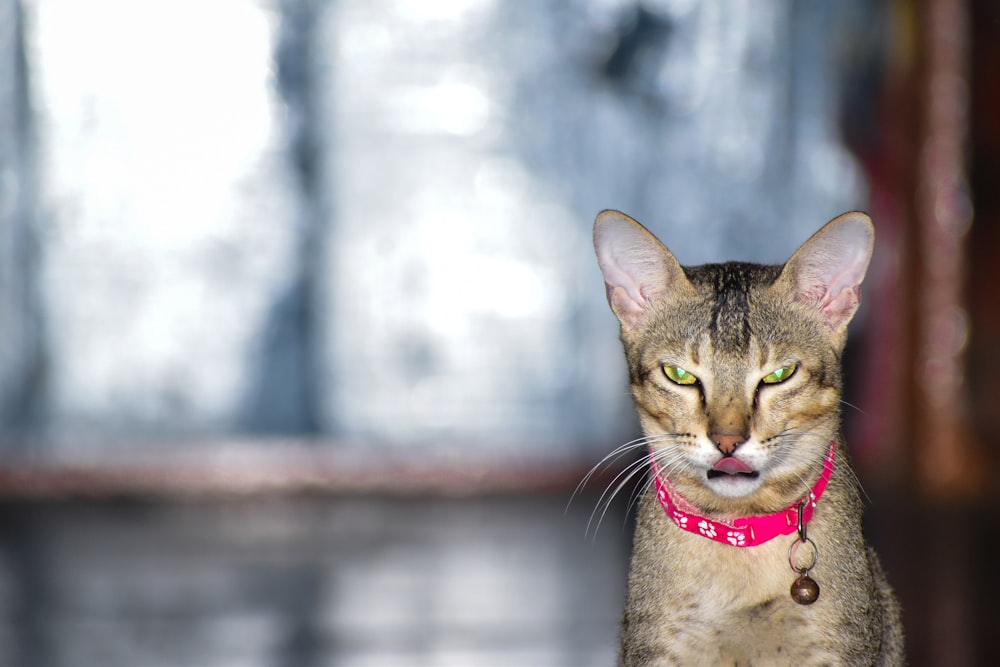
{"x": 748, "y": 547}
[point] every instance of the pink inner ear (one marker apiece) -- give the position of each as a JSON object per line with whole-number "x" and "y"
{"x": 835, "y": 283}
{"x": 835, "y": 291}
{"x": 623, "y": 287}
{"x": 623, "y": 272}
{"x": 624, "y": 301}
{"x": 830, "y": 266}
{"x": 635, "y": 265}
{"x": 628, "y": 309}
{"x": 840, "y": 308}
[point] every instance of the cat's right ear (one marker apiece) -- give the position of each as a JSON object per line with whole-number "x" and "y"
{"x": 638, "y": 270}
{"x": 827, "y": 270}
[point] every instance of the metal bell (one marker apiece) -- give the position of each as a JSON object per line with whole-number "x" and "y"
{"x": 804, "y": 589}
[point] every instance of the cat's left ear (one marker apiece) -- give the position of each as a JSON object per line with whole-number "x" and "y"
{"x": 639, "y": 271}
{"x": 826, "y": 272}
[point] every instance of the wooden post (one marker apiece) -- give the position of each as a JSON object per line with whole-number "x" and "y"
{"x": 942, "y": 214}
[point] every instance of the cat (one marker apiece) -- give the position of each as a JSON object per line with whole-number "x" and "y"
{"x": 748, "y": 547}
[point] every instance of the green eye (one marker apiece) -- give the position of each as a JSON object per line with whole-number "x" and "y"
{"x": 780, "y": 375}
{"x": 679, "y": 375}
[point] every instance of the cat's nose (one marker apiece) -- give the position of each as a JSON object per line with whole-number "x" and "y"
{"x": 727, "y": 444}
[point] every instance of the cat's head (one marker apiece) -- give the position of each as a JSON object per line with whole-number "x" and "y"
{"x": 735, "y": 367}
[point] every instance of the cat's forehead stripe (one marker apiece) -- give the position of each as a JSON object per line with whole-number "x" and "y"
{"x": 730, "y": 284}
{"x": 693, "y": 351}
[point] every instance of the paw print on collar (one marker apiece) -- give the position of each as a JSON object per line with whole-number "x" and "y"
{"x": 736, "y": 537}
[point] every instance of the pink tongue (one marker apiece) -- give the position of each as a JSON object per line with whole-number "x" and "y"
{"x": 731, "y": 466}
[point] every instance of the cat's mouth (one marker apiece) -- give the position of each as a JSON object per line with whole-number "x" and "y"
{"x": 732, "y": 467}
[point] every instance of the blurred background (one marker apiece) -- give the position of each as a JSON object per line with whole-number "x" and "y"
{"x": 305, "y": 348}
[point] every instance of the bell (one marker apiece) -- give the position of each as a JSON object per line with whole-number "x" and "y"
{"x": 805, "y": 590}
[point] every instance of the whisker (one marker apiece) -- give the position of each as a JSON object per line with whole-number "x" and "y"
{"x": 667, "y": 457}
{"x": 607, "y": 496}
{"x": 849, "y": 470}
{"x": 638, "y": 492}
{"x": 796, "y": 455}
{"x": 800, "y": 458}
{"x": 666, "y": 460}
{"x": 851, "y": 405}
{"x": 857, "y": 480}
{"x": 615, "y": 455}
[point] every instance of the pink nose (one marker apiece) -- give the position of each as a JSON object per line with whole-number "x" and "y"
{"x": 727, "y": 444}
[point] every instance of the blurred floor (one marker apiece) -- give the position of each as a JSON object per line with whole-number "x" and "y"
{"x": 301, "y": 581}
{"x": 310, "y": 581}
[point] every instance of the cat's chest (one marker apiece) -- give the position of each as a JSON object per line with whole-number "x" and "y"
{"x": 731, "y": 605}
{"x": 774, "y": 633}
{"x": 727, "y": 578}
{"x": 740, "y": 612}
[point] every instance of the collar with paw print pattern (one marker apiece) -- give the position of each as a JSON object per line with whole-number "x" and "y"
{"x": 748, "y": 531}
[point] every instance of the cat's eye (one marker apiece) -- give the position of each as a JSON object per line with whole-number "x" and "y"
{"x": 679, "y": 375}
{"x": 779, "y": 375}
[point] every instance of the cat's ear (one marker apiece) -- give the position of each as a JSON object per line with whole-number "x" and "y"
{"x": 826, "y": 272}
{"x": 638, "y": 270}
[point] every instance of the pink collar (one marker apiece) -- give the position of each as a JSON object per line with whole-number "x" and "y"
{"x": 748, "y": 531}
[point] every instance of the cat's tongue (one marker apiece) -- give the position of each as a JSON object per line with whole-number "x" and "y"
{"x": 731, "y": 466}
